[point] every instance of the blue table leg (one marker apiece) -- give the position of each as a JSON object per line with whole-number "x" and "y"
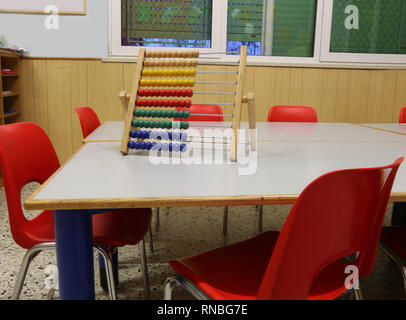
{"x": 74, "y": 250}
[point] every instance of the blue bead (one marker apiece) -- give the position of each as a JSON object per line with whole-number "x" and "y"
{"x": 184, "y": 136}
{"x": 148, "y": 145}
{"x": 158, "y": 146}
{"x": 170, "y": 135}
{"x": 131, "y": 144}
{"x": 170, "y": 147}
{"x": 183, "y": 147}
{"x": 176, "y": 147}
{"x": 137, "y": 145}
{"x": 139, "y": 134}
{"x": 133, "y": 134}
{"x": 142, "y": 145}
{"x": 176, "y": 136}
{"x": 145, "y": 135}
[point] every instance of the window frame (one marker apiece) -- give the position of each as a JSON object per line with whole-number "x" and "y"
{"x": 369, "y": 58}
{"x": 116, "y": 49}
{"x": 321, "y": 52}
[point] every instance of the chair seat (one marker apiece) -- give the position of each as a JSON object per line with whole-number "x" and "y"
{"x": 117, "y": 228}
{"x": 395, "y": 237}
{"x": 235, "y": 272}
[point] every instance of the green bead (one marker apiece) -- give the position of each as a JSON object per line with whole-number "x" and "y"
{"x": 135, "y": 113}
{"x": 141, "y": 123}
{"x": 169, "y": 124}
{"x": 181, "y": 114}
{"x": 134, "y": 123}
{"x": 145, "y": 113}
{"x": 158, "y": 113}
{"x": 184, "y": 125}
{"x": 187, "y": 114}
{"x": 152, "y": 113}
{"x": 170, "y": 114}
{"x": 164, "y": 113}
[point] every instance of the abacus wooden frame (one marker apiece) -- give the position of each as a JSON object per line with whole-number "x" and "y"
{"x": 129, "y": 106}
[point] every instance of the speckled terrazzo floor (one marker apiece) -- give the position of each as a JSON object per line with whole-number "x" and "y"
{"x": 182, "y": 232}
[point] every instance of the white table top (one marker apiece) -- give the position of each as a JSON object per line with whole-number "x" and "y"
{"x": 283, "y": 131}
{"x": 399, "y": 128}
{"x": 99, "y": 177}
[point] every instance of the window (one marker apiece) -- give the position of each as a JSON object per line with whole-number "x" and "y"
{"x": 272, "y": 27}
{"x": 365, "y": 31}
{"x": 299, "y": 31}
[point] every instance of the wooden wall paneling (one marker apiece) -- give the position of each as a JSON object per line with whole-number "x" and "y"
{"x": 104, "y": 82}
{"x": 59, "y": 107}
{"x": 400, "y": 95}
{"x": 358, "y": 96}
{"x": 388, "y": 99}
{"x": 343, "y": 76}
{"x": 27, "y": 91}
{"x": 296, "y": 82}
{"x": 78, "y": 84}
{"x": 264, "y": 89}
{"x": 328, "y": 93}
{"x": 375, "y": 96}
{"x": 282, "y": 86}
{"x": 311, "y": 89}
{"x": 40, "y": 100}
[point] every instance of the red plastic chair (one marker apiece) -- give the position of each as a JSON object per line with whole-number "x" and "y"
{"x": 337, "y": 215}
{"x": 210, "y": 110}
{"x": 88, "y": 120}
{"x": 393, "y": 243}
{"x": 402, "y": 117}
{"x": 292, "y": 114}
{"x": 36, "y": 161}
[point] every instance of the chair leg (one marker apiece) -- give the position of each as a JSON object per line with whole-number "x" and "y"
{"x": 170, "y": 285}
{"x": 157, "y": 223}
{"x": 107, "y": 258}
{"x": 28, "y": 257}
{"x": 150, "y": 241}
{"x": 396, "y": 258}
{"x": 358, "y": 294}
{"x": 260, "y": 217}
{"x": 144, "y": 267}
{"x": 225, "y": 222}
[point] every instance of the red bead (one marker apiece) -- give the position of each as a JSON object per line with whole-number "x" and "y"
{"x": 182, "y": 103}
{"x": 171, "y": 103}
{"x": 188, "y": 103}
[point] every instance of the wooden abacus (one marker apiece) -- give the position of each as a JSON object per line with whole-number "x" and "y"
{"x": 162, "y": 70}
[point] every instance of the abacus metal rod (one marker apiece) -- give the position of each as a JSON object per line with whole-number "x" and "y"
{"x": 216, "y": 82}
{"x": 212, "y": 115}
{"x": 223, "y": 52}
{"x": 210, "y": 104}
{"x": 217, "y": 72}
{"x": 219, "y": 93}
{"x": 191, "y": 124}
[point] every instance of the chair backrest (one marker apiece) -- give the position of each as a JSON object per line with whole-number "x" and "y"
{"x": 339, "y": 214}
{"x": 88, "y": 120}
{"x": 26, "y": 155}
{"x": 292, "y": 114}
{"x": 402, "y": 116}
{"x": 204, "y": 109}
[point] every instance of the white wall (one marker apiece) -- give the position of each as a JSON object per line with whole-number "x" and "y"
{"x": 78, "y": 36}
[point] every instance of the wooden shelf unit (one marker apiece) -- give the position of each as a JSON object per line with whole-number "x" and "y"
{"x": 10, "y": 102}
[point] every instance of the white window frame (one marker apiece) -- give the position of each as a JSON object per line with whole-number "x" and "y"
{"x": 116, "y": 49}
{"x": 369, "y": 58}
{"x": 321, "y": 54}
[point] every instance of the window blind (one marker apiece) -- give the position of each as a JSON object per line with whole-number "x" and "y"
{"x": 166, "y": 22}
